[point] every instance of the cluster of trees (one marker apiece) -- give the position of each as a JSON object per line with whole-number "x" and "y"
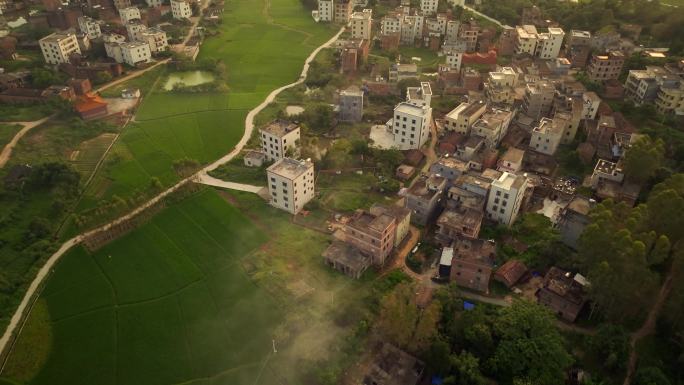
{"x": 660, "y": 22}
{"x": 510, "y": 344}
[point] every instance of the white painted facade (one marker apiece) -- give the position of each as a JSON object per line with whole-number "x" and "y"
{"x": 410, "y": 125}
{"x": 505, "y": 198}
{"x": 90, "y": 27}
{"x": 57, "y": 47}
{"x": 129, "y": 13}
{"x": 361, "y": 24}
{"x": 290, "y": 184}
{"x": 180, "y": 9}
{"x": 325, "y": 10}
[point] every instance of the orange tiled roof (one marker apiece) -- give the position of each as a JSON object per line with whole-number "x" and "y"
{"x": 88, "y": 102}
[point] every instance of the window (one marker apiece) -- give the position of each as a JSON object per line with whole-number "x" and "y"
{"x": 496, "y": 200}
{"x": 272, "y": 179}
{"x": 498, "y": 193}
{"x": 502, "y": 211}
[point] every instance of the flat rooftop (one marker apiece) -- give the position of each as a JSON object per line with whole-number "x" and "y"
{"x": 513, "y": 155}
{"x": 606, "y": 166}
{"x": 57, "y": 37}
{"x": 465, "y": 108}
{"x": 508, "y": 181}
{"x": 408, "y": 108}
{"x": 363, "y": 221}
{"x": 290, "y": 168}
{"x": 280, "y": 127}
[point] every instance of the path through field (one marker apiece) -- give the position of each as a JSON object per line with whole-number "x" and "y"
{"x": 26, "y": 302}
{"x": 7, "y": 150}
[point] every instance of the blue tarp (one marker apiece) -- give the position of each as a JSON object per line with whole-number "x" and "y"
{"x": 437, "y": 380}
{"x": 468, "y": 305}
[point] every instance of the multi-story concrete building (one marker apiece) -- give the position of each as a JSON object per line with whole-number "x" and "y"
{"x": 112, "y": 44}
{"x": 57, "y": 47}
{"x": 342, "y": 10}
{"x": 372, "y": 234}
{"x": 121, "y": 4}
{"x": 606, "y": 67}
{"x": 420, "y": 96}
{"x": 154, "y": 3}
{"x": 500, "y": 86}
{"x": 399, "y": 72}
{"x": 458, "y": 222}
{"x": 563, "y": 293}
{"x": 129, "y": 13}
{"x": 547, "y": 135}
{"x": 492, "y": 126}
{"x": 181, "y": 9}
{"x": 545, "y": 45}
{"x": 505, "y": 198}
{"x": 573, "y": 219}
{"x": 361, "y": 24}
{"x": 578, "y": 47}
{"x": 449, "y": 167}
{"x": 411, "y": 29}
{"x": 429, "y": 7}
{"x": 607, "y": 171}
{"x": 469, "y": 33}
{"x": 411, "y": 125}
{"x": 454, "y": 60}
{"x": 351, "y": 104}
{"x": 280, "y": 139}
{"x": 326, "y": 10}
{"x": 424, "y": 198}
{"x": 134, "y": 29}
{"x": 472, "y": 263}
{"x": 391, "y": 23}
{"x": 462, "y": 118}
{"x": 642, "y": 86}
{"x": 590, "y": 105}
{"x": 452, "y": 29}
{"x": 401, "y": 215}
{"x": 550, "y": 43}
{"x": 135, "y": 52}
{"x": 90, "y": 27}
{"x": 512, "y": 160}
{"x": 156, "y": 38}
{"x": 538, "y": 99}
{"x": 670, "y": 98}
{"x": 290, "y": 184}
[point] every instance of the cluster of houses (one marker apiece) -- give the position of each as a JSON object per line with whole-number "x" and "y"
{"x": 496, "y": 150}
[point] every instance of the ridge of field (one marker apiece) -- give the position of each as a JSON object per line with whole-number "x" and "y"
{"x": 202, "y": 294}
{"x": 263, "y": 44}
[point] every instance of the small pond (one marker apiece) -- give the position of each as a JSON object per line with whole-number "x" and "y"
{"x": 189, "y": 78}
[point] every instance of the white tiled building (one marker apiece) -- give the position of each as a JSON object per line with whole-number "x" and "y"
{"x": 90, "y": 27}
{"x": 58, "y": 46}
{"x": 452, "y": 28}
{"x": 129, "y": 13}
{"x": 546, "y": 45}
{"x": 410, "y": 125}
{"x": 134, "y": 28}
{"x": 326, "y": 10}
{"x": 492, "y": 126}
{"x": 419, "y": 96}
{"x": 279, "y": 137}
{"x": 291, "y": 184}
{"x": 547, "y": 135}
{"x": 112, "y": 43}
{"x": 135, "y": 52}
{"x": 429, "y": 7}
{"x": 505, "y": 198}
{"x": 462, "y": 118}
{"x": 361, "y": 23}
{"x": 156, "y": 38}
{"x": 181, "y": 9}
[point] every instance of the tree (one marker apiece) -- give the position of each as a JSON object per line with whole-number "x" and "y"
{"x": 467, "y": 367}
{"x": 529, "y": 345}
{"x": 102, "y": 77}
{"x": 650, "y": 375}
{"x": 643, "y": 158}
{"x": 318, "y": 117}
{"x": 42, "y": 78}
{"x": 404, "y": 323}
{"x": 611, "y": 345}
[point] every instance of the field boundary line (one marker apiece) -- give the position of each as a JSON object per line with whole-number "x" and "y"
{"x": 18, "y": 319}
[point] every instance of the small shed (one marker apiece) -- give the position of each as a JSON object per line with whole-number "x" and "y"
{"x": 346, "y": 259}
{"x": 254, "y": 158}
{"x": 130, "y": 93}
{"x": 445, "y": 262}
{"x": 405, "y": 172}
{"x": 510, "y": 272}
{"x": 91, "y": 106}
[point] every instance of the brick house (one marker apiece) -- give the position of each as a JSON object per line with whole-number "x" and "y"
{"x": 563, "y": 293}
{"x": 472, "y": 263}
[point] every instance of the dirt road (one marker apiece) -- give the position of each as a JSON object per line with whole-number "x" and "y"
{"x": 7, "y": 150}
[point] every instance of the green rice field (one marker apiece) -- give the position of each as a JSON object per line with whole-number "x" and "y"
{"x": 263, "y": 44}
{"x": 199, "y": 295}
{"x": 7, "y": 132}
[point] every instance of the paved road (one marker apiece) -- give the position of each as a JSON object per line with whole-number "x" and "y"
{"x": 45, "y": 270}
{"x": 7, "y": 150}
{"x": 209, "y": 180}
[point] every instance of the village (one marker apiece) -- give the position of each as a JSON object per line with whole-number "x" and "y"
{"x": 427, "y": 138}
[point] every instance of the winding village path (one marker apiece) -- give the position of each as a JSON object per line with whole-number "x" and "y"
{"x": 28, "y": 299}
{"x": 7, "y": 150}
